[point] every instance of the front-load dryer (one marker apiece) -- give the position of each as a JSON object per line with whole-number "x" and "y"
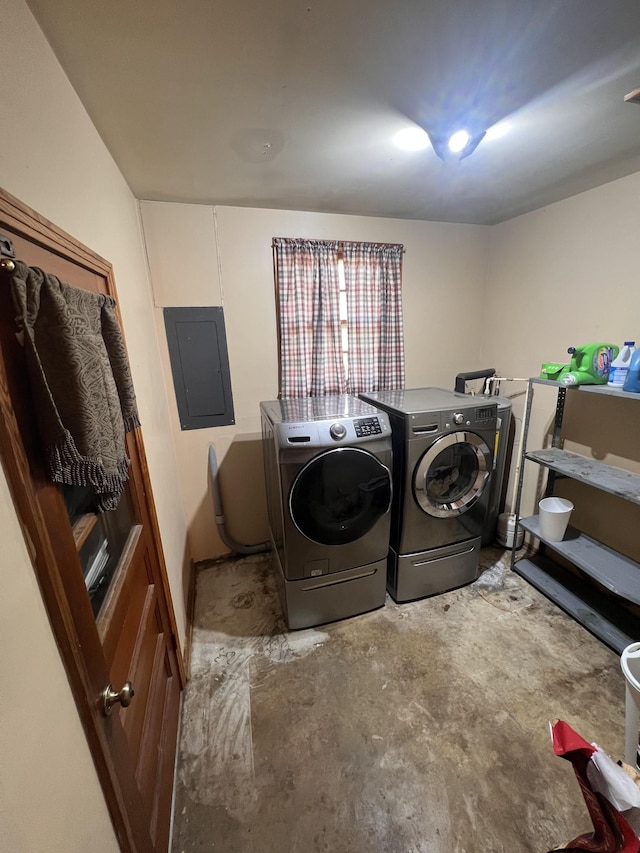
{"x": 328, "y": 479}
{"x": 442, "y": 461}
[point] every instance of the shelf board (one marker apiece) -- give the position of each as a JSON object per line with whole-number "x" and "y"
{"x": 608, "y": 478}
{"x": 538, "y": 380}
{"x": 609, "y": 622}
{"x": 609, "y": 391}
{"x": 591, "y": 389}
{"x": 610, "y": 569}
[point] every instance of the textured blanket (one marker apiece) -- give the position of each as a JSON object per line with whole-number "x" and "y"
{"x": 80, "y": 381}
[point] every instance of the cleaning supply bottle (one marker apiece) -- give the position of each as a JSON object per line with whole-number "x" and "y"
{"x": 632, "y": 382}
{"x": 589, "y": 365}
{"x": 620, "y": 365}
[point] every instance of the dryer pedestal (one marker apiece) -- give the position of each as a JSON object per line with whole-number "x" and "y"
{"x": 314, "y": 601}
{"x": 412, "y": 576}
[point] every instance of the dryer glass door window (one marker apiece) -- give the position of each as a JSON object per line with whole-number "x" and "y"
{"x": 340, "y": 495}
{"x": 452, "y": 474}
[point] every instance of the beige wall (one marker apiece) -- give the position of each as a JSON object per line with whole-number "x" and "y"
{"x": 566, "y": 275}
{"x": 563, "y": 275}
{"x": 444, "y": 281}
{"x": 52, "y": 159}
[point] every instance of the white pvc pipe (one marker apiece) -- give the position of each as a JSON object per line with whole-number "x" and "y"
{"x": 520, "y": 456}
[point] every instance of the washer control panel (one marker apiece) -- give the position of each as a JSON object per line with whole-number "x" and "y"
{"x": 338, "y": 429}
{"x": 367, "y": 426}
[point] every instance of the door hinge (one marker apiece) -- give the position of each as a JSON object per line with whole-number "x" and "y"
{"x": 6, "y": 247}
{"x": 6, "y": 254}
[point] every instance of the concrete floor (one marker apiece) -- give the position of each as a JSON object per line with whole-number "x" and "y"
{"x": 418, "y": 728}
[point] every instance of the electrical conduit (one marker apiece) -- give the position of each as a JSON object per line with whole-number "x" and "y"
{"x": 229, "y": 541}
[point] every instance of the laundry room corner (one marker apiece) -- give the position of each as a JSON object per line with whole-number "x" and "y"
{"x": 565, "y": 258}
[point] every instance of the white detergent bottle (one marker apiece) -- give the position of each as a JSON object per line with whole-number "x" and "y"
{"x": 620, "y": 365}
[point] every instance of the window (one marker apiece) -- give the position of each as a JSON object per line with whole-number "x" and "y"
{"x": 339, "y": 307}
{"x": 343, "y": 315}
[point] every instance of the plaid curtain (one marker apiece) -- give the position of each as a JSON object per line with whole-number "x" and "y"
{"x": 373, "y": 278}
{"x": 308, "y": 299}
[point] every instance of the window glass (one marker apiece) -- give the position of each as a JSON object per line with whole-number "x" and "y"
{"x": 100, "y": 538}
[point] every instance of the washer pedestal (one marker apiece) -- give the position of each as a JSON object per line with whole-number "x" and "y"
{"x": 314, "y": 601}
{"x": 412, "y": 576}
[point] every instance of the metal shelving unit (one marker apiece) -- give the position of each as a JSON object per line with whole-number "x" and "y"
{"x": 597, "y": 565}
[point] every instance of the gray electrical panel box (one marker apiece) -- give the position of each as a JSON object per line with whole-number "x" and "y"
{"x": 200, "y": 366}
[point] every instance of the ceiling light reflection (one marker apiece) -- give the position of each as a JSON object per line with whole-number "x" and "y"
{"x": 459, "y": 140}
{"x": 411, "y": 139}
{"x": 498, "y": 130}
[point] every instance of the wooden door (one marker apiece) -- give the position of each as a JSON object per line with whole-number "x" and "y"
{"x": 102, "y": 575}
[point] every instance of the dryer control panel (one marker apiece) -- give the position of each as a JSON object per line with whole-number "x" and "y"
{"x": 486, "y": 413}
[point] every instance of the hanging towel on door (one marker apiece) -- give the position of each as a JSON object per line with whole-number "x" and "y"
{"x": 80, "y": 380}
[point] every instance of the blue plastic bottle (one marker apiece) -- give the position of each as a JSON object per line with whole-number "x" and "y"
{"x": 632, "y": 382}
{"x": 620, "y": 365}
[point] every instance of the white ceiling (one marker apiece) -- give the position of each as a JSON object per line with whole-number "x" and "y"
{"x": 294, "y": 103}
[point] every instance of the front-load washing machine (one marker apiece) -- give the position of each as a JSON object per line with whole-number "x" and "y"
{"x": 442, "y": 461}
{"x": 328, "y": 479}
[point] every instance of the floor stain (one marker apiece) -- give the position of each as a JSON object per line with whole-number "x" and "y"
{"x": 418, "y": 728}
{"x": 243, "y": 601}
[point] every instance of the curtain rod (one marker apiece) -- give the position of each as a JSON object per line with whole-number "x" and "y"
{"x": 339, "y": 242}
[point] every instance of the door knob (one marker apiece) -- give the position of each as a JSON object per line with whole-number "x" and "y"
{"x": 110, "y": 697}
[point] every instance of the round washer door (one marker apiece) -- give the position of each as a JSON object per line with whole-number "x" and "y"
{"x": 452, "y": 474}
{"x": 340, "y": 495}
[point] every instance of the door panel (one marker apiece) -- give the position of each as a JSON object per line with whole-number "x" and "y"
{"x": 151, "y": 733}
{"x": 165, "y": 753}
{"x": 132, "y": 635}
{"x": 118, "y": 620}
{"x": 140, "y": 665}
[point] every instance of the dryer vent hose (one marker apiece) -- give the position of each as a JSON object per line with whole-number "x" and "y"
{"x": 462, "y": 378}
{"x": 229, "y": 541}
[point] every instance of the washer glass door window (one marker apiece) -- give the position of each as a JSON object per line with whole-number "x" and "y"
{"x": 452, "y": 474}
{"x": 340, "y": 495}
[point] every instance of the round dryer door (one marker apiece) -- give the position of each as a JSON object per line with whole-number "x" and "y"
{"x": 452, "y": 474}
{"x": 340, "y": 495}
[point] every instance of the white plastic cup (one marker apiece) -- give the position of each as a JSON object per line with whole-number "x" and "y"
{"x": 554, "y": 517}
